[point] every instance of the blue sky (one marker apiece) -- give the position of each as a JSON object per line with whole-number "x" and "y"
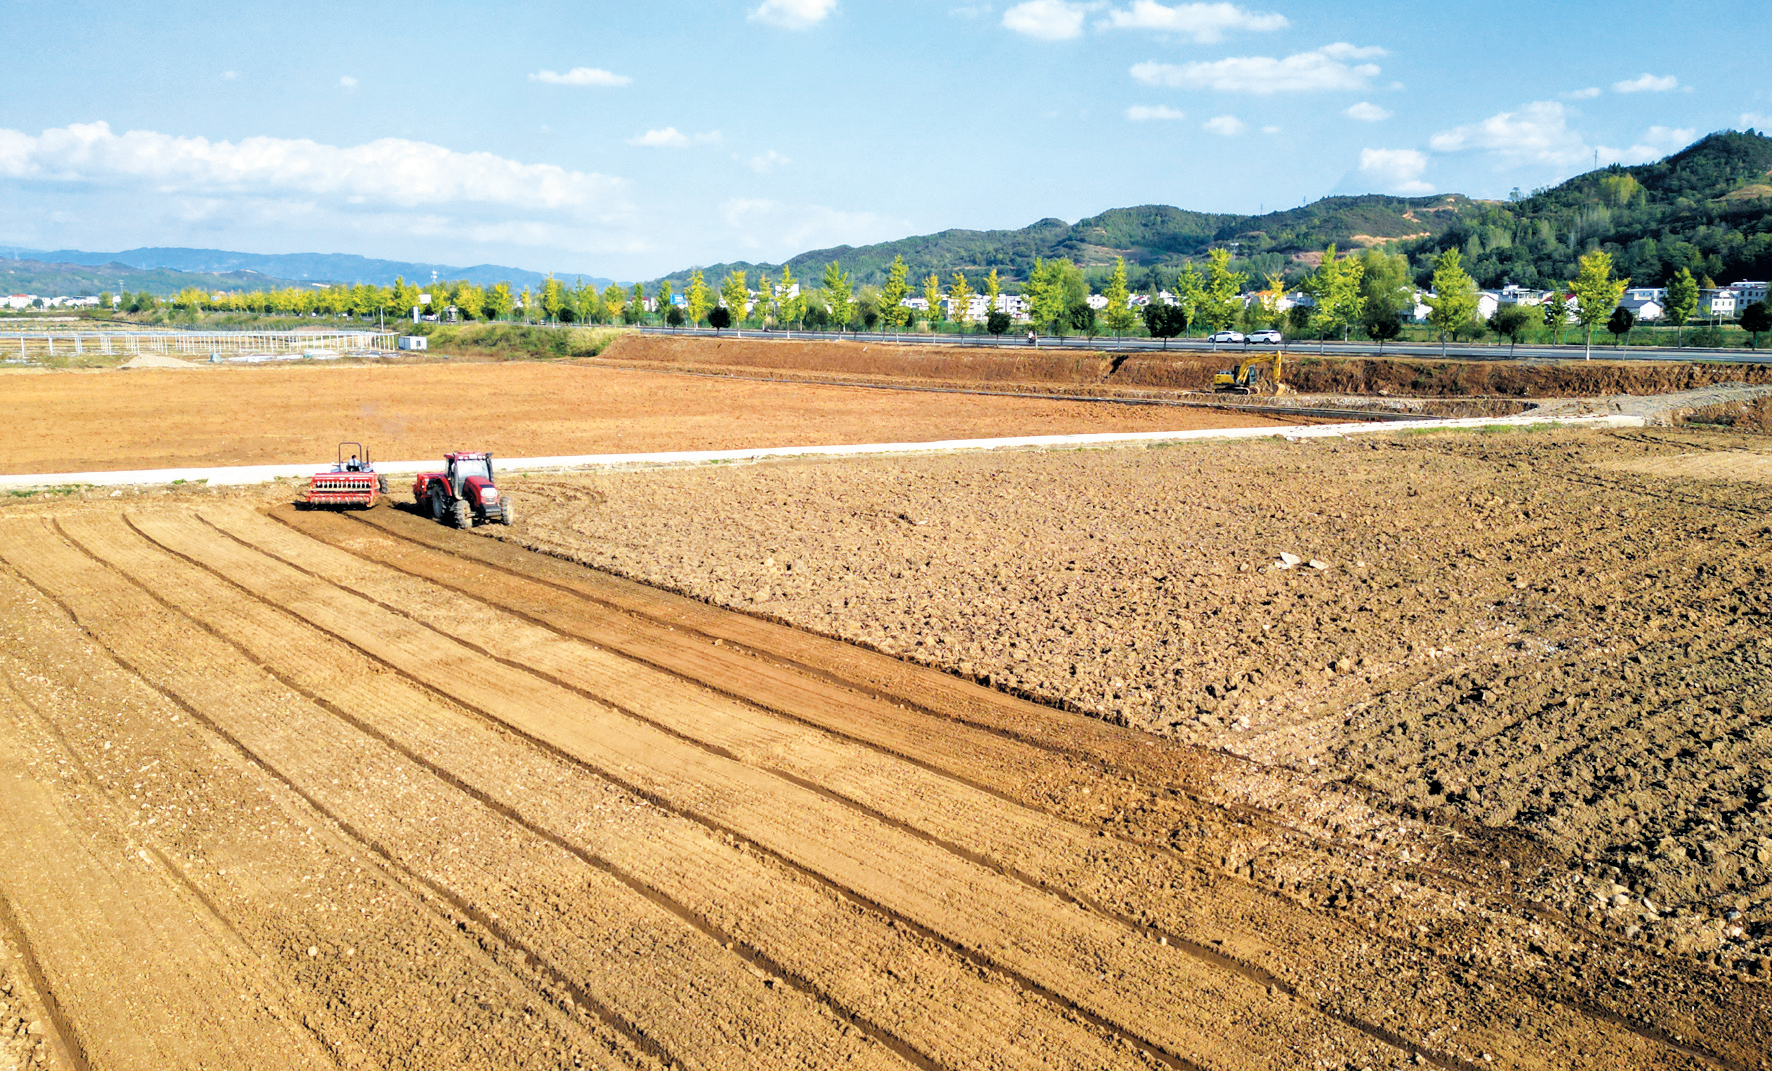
{"x": 630, "y": 140}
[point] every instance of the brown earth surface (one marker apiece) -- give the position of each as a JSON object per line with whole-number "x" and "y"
{"x": 358, "y": 790}
{"x": 1555, "y": 634}
{"x": 1094, "y": 371}
{"x": 165, "y": 418}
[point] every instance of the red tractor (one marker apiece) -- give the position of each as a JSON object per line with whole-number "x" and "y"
{"x": 463, "y": 492}
{"x": 352, "y": 483}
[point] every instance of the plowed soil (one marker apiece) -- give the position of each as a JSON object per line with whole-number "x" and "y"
{"x": 313, "y": 789}
{"x": 165, "y": 418}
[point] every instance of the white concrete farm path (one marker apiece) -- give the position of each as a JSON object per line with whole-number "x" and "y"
{"x": 253, "y": 474}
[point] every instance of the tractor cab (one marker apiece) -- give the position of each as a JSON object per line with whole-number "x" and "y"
{"x": 466, "y": 467}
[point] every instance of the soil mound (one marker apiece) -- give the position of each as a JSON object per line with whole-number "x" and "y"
{"x": 157, "y": 360}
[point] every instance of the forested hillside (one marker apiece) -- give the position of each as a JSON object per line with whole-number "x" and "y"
{"x": 1704, "y": 208}
{"x": 1149, "y": 237}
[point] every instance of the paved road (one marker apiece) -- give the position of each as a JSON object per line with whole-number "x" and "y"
{"x": 1456, "y": 351}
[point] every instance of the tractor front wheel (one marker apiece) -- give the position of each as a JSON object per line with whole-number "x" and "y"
{"x": 437, "y": 504}
{"x": 464, "y": 514}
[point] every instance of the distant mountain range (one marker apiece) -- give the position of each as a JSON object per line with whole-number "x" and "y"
{"x": 1707, "y": 208}
{"x": 168, "y": 270}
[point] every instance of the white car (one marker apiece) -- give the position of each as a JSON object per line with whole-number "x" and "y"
{"x": 1266, "y": 336}
{"x": 1226, "y": 336}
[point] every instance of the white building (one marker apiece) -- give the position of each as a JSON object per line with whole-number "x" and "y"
{"x": 1719, "y": 302}
{"x": 1519, "y": 295}
{"x": 1487, "y": 302}
{"x": 1656, "y": 294}
{"x": 1645, "y": 309}
{"x": 20, "y": 301}
{"x": 1746, "y": 293}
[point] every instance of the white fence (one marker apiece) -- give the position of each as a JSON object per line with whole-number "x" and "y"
{"x": 200, "y": 345}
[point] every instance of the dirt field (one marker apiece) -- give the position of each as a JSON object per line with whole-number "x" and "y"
{"x": 164, "y": 418}
{"x": 311, "y": 790}
{"x": 1009, "y": 760}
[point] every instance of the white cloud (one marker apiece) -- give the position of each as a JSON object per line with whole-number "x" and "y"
{"x": 1140, "y": 113}
{"x": 1270, "y": 130}
{"x": 672, "y": 138}
{"x": 582, "y": 76}
{"x": 1583, "y": 94}
{"x": 970, "y": 11}
{"x": 229, "y": 76}
{"x": 1322, "y": 69}
{"x": 779, "y": 230}
{"x": 1048, "y": 20}
{"x": 1396, "y": 170}
{"x": 768, "y": 162}
{"x": 387, "y": 172}
{"x": 1204, "y": 23}
{"x": 1367, "y": 113}
{"x": 1227, "y": 125}
{"x": 1537, "y": 132}
{"x": 793, "y": 14}
{"x": 1647, "y": 83}
{"x": 1658, "y": 141}
{"x": 1755, "y": 120}
{"x": 347, "y": 82}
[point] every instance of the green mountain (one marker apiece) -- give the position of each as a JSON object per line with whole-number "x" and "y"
{"x": 46, "y": 279}
{"x": 1703, "y": 208}
{"x": 1707, "y": 208}
{"x": 1149, "y": 237}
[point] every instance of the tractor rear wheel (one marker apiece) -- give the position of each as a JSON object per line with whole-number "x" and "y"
{"x": 464, "y": 514}
{"x": 504, "y": 516}
{"x": 436, "y": 504}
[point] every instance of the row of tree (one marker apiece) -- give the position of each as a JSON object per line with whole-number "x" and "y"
{"x": 1372, "y": 290}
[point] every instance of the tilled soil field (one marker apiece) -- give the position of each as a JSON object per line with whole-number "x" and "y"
{"x": 165, "y": 418}
{"x": 359, "y": 791}
{"x": 1553, "y": 642}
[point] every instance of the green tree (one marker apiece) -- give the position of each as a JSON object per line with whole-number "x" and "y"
{"x": 1385, "y": 284}
{"x": 1222, "y": 298}
{"x": 500, "y": 301}
{"x": 792, "y": 305}
{"x": 993, "y": 288}
{"x": 765, "y": 307}
{"x": 1755, "y": 319}
{"x": 1510, "y": 322}
{"x": 1556, "y": 314}
{"x": 699, "y": 298}
{"x": 960, "y": 299}
{"x": 1682, "y": 302}
{"x": 1118, "y": 315}
{"x": 1165, "y": 321}
{"x": 735, "y": 295}
{"x": 839, "y": 295}
{"x": 1620, "y": 323}
{"x": 1045, "y": 293}
{"x": 664, "y": 296}
{"x": 1190, "y": 294}
{"x": 1596, "y": 292}
{"x": 615, "y": 302}
{"x": 404, "y": 296}
{"x": 528, "y": 303}
{"x": 1453, "y": 304}
{"x": 932, "y": 296}
{"x": 1335, "y": 286}
{"x": 996, "y": 322}
{"x": 892, "y": 295}
{"x": 104, "y": 300}
{"x": 1382, "y": 327}
{"x": 720, "y": 317}
{"x": 636, "y": 304}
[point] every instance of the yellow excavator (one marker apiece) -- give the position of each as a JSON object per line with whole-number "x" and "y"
{"x": 1257, "y": 375}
